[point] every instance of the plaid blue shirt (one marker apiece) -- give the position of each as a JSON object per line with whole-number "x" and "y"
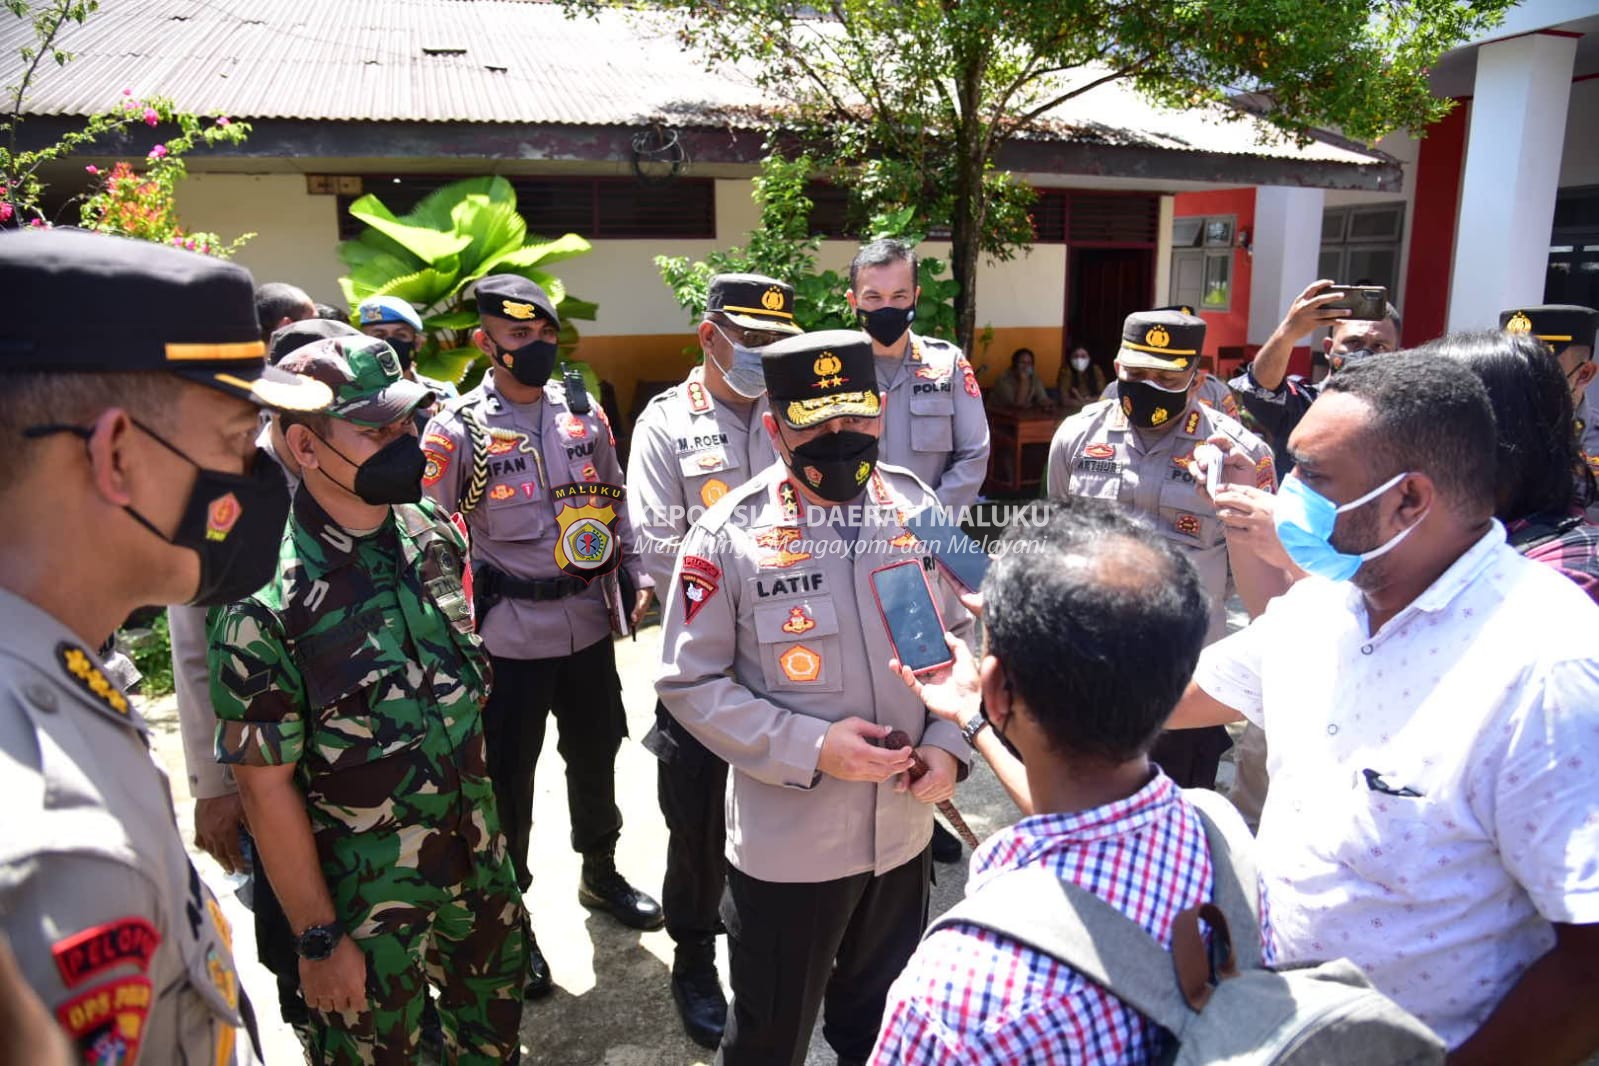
{"x": 971, "y": 996}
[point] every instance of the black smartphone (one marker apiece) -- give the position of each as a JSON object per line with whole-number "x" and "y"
{"x": 1365, "y": 302}
{"x": 915, "y": 627}
{"x": 961, "y": 556}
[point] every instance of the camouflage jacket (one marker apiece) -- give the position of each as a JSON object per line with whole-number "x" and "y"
{"x": 359, "y": 664}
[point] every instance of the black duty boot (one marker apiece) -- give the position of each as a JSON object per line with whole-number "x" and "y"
{"x": 945, "y": 847}
{"x": 698, "y": 992}
{"x": 602, "y": 888}
{"x": 539, "y": 983}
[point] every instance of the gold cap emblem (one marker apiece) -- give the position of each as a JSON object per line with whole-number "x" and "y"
{"x": 513, "y": 309}
{"x": 1157, "y": 337}
{"x": 827, "y": 364}
{"x": 772, "y": 299}
{"x": 1519, "y": 323}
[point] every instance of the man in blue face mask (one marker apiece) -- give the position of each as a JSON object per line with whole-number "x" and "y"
{"x": 1431, "y": 699}
{"x": 693, "y": 444}
{"x": 1138, "y": 450}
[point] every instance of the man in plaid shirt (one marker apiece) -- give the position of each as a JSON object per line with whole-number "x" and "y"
{"x": 1068, "y": 686}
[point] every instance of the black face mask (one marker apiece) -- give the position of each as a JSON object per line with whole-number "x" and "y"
{"x": 404, "y": 351}
{"x": 530, "y": 364}
{"x": 1004, "y": 741}
{"x": 1343, "y": 360}
{"x": 1149, "y": 406}
{"x": 887, "y": 324}
{"x": 392, "y": 474}
{"x": 835, "y": 465}
{"x": 233, "y": 522}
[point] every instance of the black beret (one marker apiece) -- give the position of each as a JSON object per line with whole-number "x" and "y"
{"x": 513, "y": 297}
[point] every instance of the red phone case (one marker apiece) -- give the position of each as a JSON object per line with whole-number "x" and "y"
{"x": 872, "y": 579}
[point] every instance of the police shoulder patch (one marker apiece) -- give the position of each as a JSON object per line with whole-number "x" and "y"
{"x": 80, "y": 668}
{"x": 700, "y": 579}
{"x": 93, "y": 951}
{"x": 106, "y": 1024}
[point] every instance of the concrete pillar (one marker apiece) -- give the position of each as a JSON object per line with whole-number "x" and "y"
{"x": 1287, "y": 243}
{"x": 1507, "y": 198}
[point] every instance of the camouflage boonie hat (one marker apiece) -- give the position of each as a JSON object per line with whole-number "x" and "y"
{"x": 369, "y": 388}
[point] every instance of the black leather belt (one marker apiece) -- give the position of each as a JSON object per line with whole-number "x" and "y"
{"x": 555, "y": 588}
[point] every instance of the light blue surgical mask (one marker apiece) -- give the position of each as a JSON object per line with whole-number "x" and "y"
{"x": 1305, "y": 520}
{"x": 745, "y": 376}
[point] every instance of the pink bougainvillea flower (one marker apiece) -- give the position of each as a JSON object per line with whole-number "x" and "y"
{"x": 224, "y": 121}
{"x": 38, "y": 223}
{"x": 92, "y": 169}
{"x": 127, "y": 92}
{"x": 6, "y": 211}
{"x": 158, "y": 152}
{"x": 150, "y": 117}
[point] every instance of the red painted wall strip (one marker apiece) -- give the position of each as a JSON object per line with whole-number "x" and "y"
{"x": 1439, "y": 170}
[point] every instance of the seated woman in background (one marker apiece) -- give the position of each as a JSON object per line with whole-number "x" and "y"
{"x": 1080, "y": 381}
{"x": 1019, "y": 387}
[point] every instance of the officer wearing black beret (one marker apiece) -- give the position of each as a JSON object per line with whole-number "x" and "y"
{"x": 774, "y": 658}
{"x": 131, "y": 476}
{"x": 537, "y": 478}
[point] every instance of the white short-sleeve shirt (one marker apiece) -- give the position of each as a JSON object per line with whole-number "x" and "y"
{"x": 1477, "y": 708}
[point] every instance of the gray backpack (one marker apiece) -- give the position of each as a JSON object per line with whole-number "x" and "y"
{"x": 1220, "y": 1003}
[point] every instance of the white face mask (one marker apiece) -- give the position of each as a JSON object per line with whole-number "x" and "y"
{"x": 1080, "y": 363}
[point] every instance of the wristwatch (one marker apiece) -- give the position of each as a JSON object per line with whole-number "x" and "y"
{"x": 973, "y": 726}
{"x": 317, "y": 942}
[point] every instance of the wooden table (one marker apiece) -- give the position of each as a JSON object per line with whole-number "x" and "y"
{"x": 1009, "y": 431}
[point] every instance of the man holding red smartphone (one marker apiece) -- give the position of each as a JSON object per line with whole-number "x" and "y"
{"x": 773, "y": 658}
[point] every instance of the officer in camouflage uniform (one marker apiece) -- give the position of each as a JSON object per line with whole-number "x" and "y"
{"x": 1138, "y": 450}
{"x": 129, "y": 476}
{"x": 693, "y": 444}
{"x": 347, "y": 695}
{"x": 531, "y": 466}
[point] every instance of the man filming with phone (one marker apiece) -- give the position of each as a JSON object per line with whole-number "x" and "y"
{"x": 773, "y": 658}
{"x": 1356, "y": 328}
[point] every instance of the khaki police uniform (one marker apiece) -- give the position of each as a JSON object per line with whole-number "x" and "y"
{"x": 934, "y": 424}
{"x": 1098, "y": 454}
{"x": 688, "y": 451}
{"x": 549, "y": 616}
{"x": 110, "y": 922}
{"x": 773, "y": 634}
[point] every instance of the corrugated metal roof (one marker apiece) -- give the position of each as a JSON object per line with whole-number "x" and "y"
{"x": 491, "y": 61}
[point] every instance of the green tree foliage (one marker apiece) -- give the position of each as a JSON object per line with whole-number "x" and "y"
{"x": 432, "y": 255}
{"x": 918, "y": 97}
{"x": 782, "y": 247}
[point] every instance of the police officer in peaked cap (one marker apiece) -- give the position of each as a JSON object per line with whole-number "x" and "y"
{"x": 131, "y": 381}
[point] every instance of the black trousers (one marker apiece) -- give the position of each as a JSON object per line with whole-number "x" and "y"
{"x": 833, "y": 946}
{"x": 691, "y": 784}
{"x": 274, "y": 940}
{"x": 584, "y": 693}
{"x": 1190, "y": 756}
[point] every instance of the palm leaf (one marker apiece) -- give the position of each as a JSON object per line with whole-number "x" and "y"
{"x": 427, "y": 243}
